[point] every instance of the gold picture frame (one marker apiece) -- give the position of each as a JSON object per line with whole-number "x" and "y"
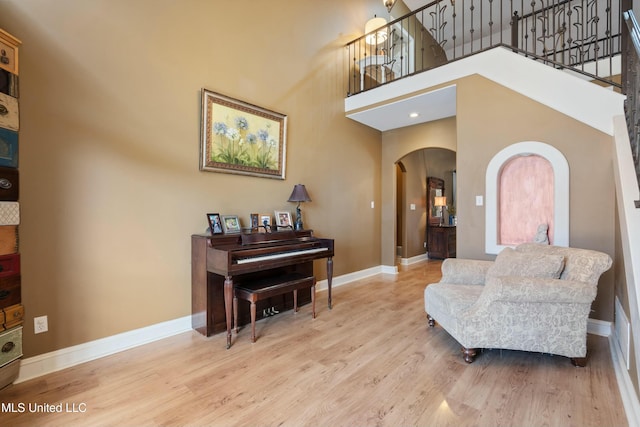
{"x": 241, "y": 138}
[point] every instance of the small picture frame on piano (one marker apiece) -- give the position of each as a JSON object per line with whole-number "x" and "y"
{"x": 215, "y": 225}
{"x": 265, "y": 223}
{"x": 255, "y": 220}
{"x": 231, "y": 224}
{"x": 283, "y": 220}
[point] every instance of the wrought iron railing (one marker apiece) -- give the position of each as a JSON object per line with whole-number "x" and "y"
{"x": 582, "y": 35}
{"x": 631, "y": 86}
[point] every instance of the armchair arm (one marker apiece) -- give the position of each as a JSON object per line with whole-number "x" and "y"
{"x": 532, "y": 289}
{"x": 464, "y": 271}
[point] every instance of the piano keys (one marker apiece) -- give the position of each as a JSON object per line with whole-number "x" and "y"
{"x": 220, "y": 261}
{"x": 280, "y": 255}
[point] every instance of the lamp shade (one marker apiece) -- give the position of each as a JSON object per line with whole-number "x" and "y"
{"x": 299, "y": 194}
{"x": 375, "y": 30}
{"x": 440, "y": 201}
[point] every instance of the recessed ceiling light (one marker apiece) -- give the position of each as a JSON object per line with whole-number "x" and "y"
{"x": 413, "y": 115}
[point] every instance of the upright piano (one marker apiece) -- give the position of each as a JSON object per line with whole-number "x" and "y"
{"x": 220, "y": 261}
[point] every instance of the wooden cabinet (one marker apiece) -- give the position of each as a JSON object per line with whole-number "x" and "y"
{"x": 10, "y": 345}
{"x": 11, "y": 309}
{"x": 12, "y": 316}
{"x": 441, "y": 242}
{"x": 441, "y": 239}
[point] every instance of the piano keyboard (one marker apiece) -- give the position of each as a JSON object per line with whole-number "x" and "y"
{"x": 281, "y": 255}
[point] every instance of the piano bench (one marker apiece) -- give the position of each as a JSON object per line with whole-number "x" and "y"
{"x": 271, "y": 287}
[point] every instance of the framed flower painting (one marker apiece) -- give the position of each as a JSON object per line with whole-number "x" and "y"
{"x": 241, "y": 138}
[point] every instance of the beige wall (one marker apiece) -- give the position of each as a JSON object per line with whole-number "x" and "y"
{"x": 109, "y": 143}
{"x": 512, "y": 118}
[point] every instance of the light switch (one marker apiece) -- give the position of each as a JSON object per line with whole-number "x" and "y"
{"x": 412, "y": 206}
{"x": 372, "y": 204}
{"x": 479, "y": 201}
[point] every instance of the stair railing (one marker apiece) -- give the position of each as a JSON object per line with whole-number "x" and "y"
{"x": 631, "y": 86}
{"x": 581, "y": 35}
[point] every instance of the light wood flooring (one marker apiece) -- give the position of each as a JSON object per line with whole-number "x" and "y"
{"x": 371, "y": 361}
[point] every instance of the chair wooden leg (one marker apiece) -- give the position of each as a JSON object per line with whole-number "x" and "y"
{"x": 432, "y": 322}
{"x": 253, "y": 321}
{"x": 295, "y": 300}
{"x": 580, "y": 362}
{"x": 313, "y": 301}
{"x": 469, "y": 354}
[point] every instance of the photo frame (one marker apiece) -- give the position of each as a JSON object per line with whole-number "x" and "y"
{"x": 215, "y": 224}
{"x": 231, "y": 224}
{"x": 283, "y": 219}
{"x": 265, "y": 223}
{"x": 255, "y": 220}
{"x": 241, "y": 138}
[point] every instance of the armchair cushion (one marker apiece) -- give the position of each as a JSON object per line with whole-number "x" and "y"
{"x": 464, "y": 271}
{"x": 527, "y": 264}
{"x": 581, "y": 265}
{"x": 536, "y": 290}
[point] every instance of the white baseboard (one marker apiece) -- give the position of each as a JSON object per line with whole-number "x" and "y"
{"x": 42, "y": 364}
{"x": 415, "y": 259}
{"x": 349, "y": 277}
{"x": 389, "y": 269}
{"x": 599, "y": 327}
{"x": 47, "y": 363}
{"x": 627, "y": 391}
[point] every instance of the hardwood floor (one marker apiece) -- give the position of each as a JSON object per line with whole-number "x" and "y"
{"x": 372, "y": 360}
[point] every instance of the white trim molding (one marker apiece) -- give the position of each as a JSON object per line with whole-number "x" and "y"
{"x": 561, "y": 191}
{"x": 627, "y": 391}
{"x": 349, "y": 277}
{"x": 47, "y": 363}
{"x": 599, "y": 327}
{"x": 414, "y": 259}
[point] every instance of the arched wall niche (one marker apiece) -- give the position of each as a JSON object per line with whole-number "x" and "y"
{"x": 525, "y": 199}
{"x": 560, "y": 184}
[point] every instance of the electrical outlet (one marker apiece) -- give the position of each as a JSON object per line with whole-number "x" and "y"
{"x": 40, "y": 324}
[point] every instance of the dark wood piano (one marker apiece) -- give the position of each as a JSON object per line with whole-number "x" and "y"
{"x": 220, "y": 261}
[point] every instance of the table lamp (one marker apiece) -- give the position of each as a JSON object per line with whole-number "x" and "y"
{"x": 440, "y": 201}
{"x": 299, "y": 195}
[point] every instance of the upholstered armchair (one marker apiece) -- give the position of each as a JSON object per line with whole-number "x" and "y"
{"x": 532, "y": 298}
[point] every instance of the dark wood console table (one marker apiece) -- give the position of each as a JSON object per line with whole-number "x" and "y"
{"x": 441, "y": 241}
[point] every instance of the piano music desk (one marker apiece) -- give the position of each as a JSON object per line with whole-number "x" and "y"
{"x": 220, "y": 262}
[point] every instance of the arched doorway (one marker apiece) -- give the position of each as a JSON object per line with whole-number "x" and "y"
{"x": 397, "y": 144}
{"x": 412, "y": 172}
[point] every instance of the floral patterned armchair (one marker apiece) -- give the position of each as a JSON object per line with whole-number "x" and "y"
{"x": 532, "y": 298}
